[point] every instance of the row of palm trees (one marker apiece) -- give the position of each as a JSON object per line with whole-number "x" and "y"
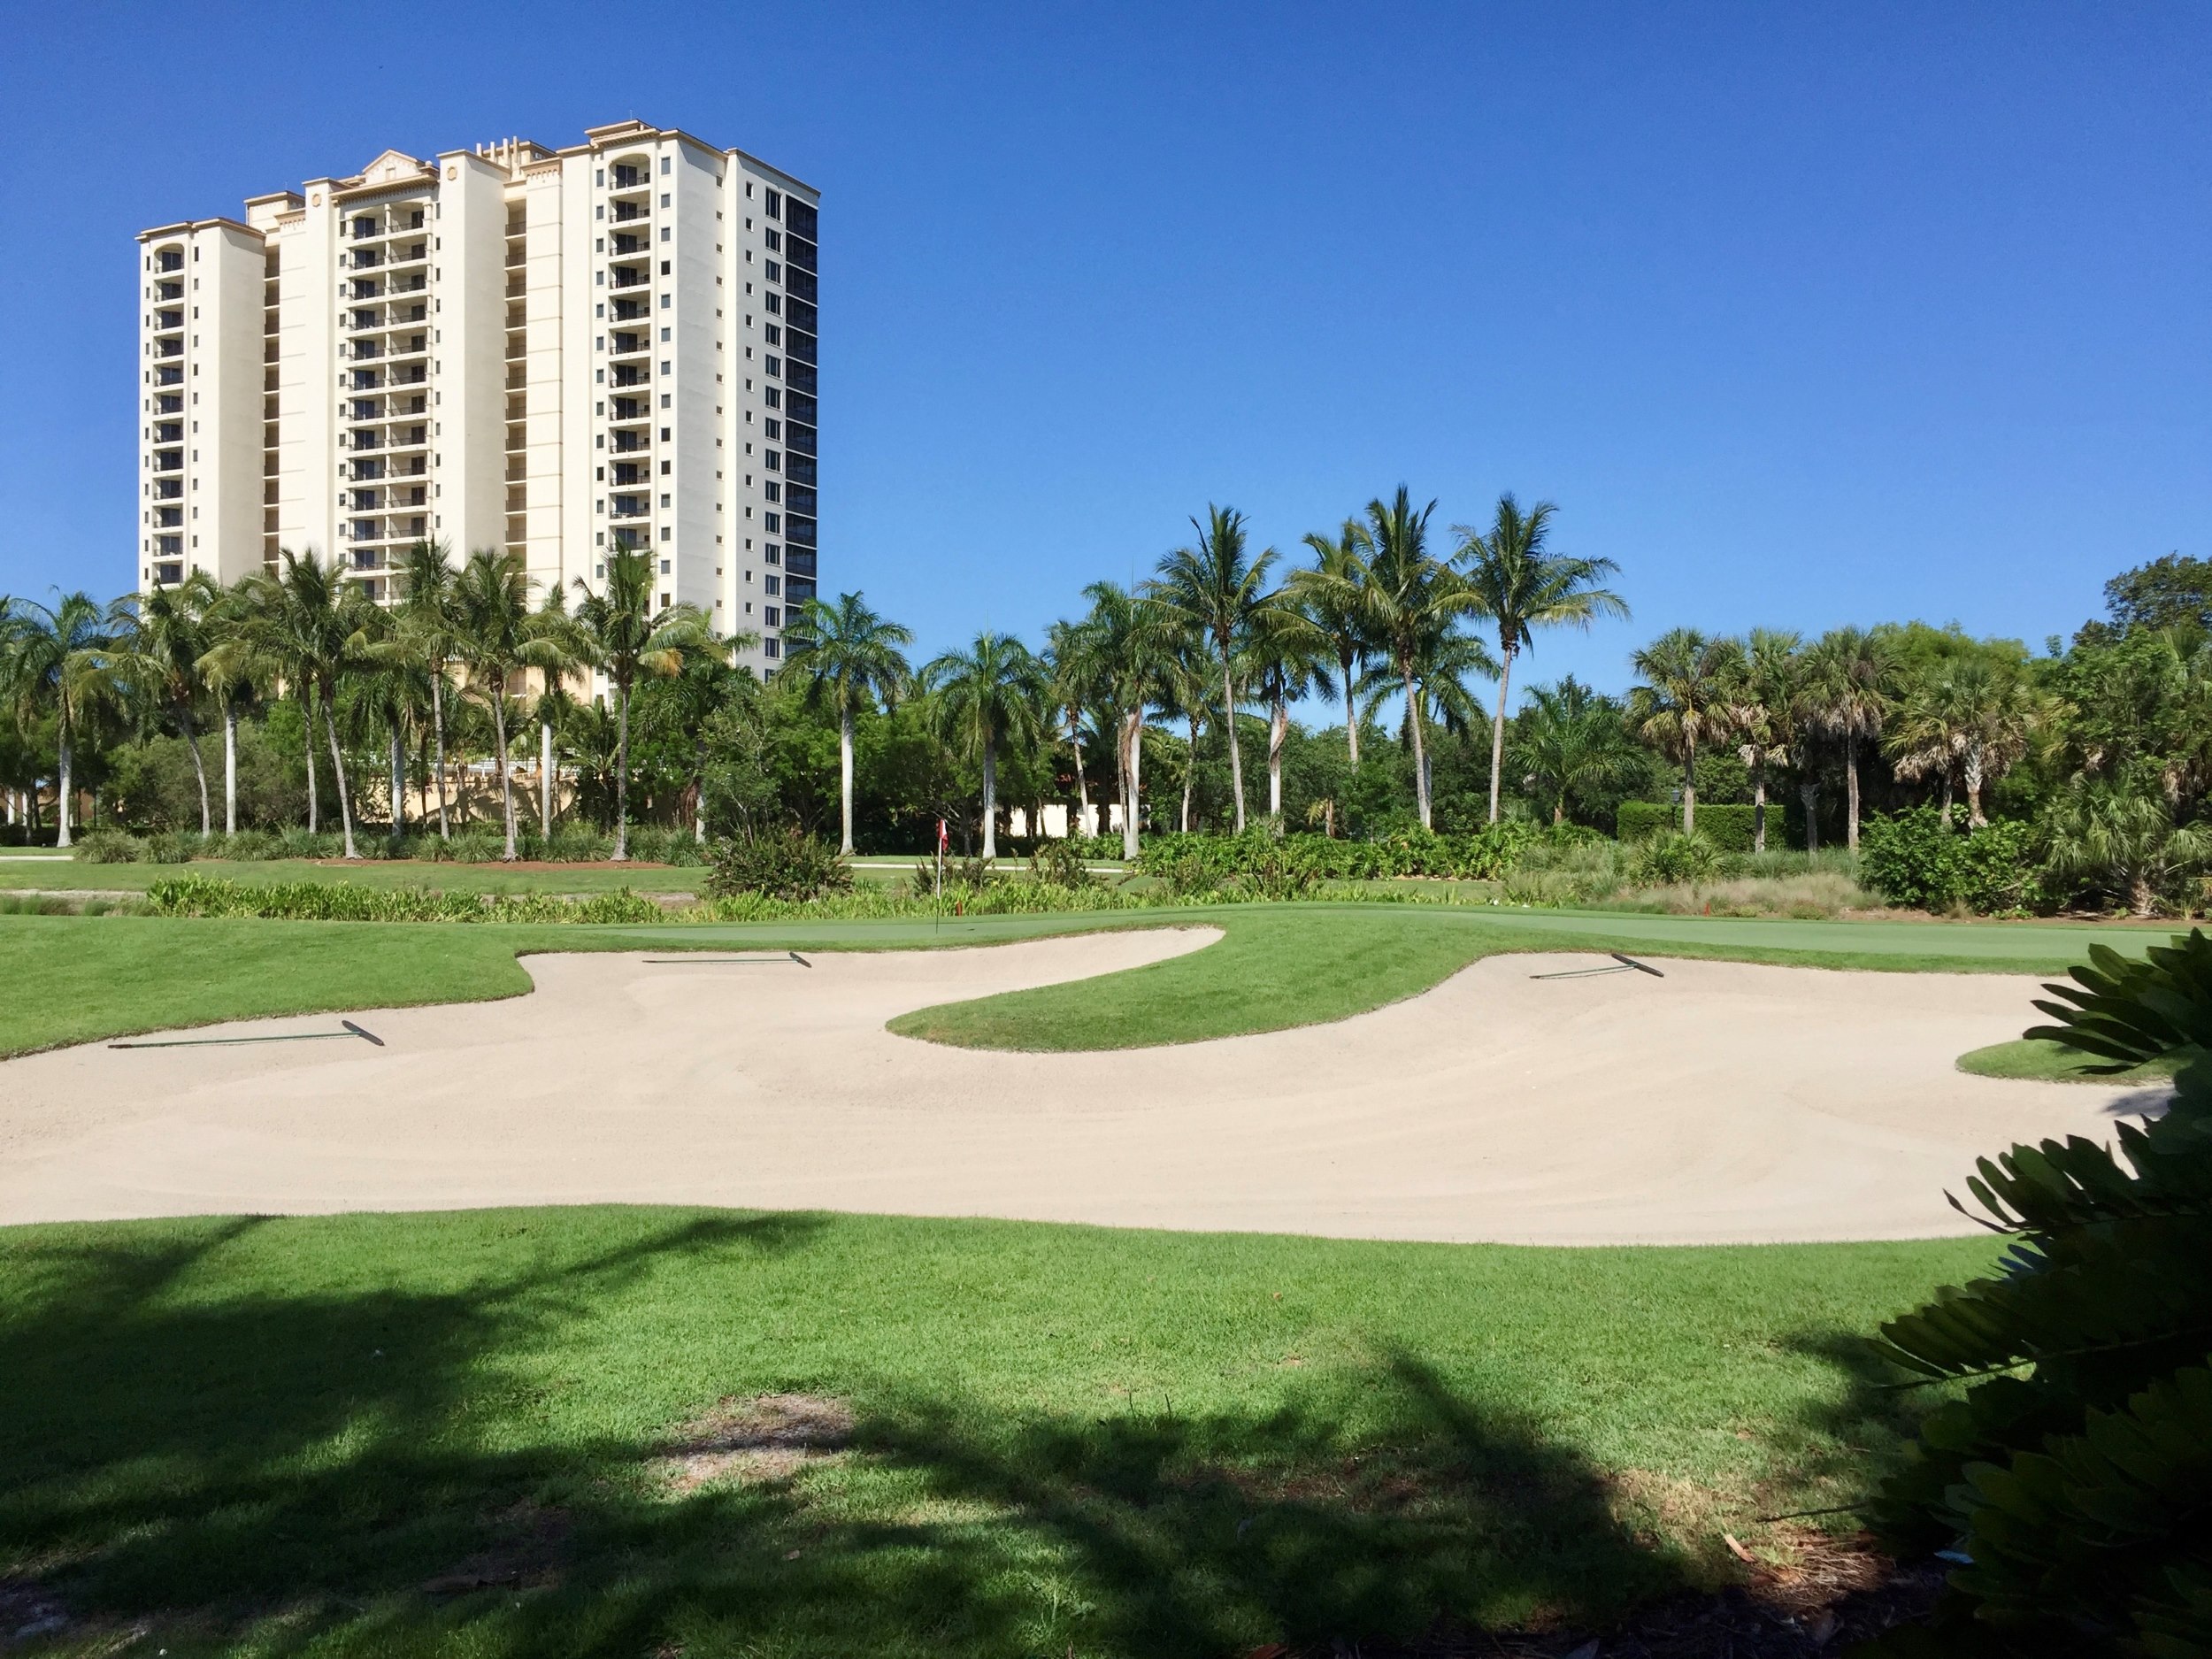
{"x": 1376, "y": 615}
{"x": 477, "y": 629}
{"x": 1774, "y": 696}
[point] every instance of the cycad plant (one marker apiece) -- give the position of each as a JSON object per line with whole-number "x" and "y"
{"x": 1569, "y": 743}
{"x": 1521, "y": 585}
{"x": 851, "y": 657}
{"x": 2069, "y": 1482}
{"x": 983, "y": 699}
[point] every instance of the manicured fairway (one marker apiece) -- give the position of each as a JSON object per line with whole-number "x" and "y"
{"x": 72, "y": 979}
{"x": 446, "y": 1434}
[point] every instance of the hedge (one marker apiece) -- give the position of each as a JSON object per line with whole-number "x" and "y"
{"x": 1728, "y": 827}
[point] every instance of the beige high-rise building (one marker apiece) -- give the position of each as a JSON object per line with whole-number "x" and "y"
{"x": 552, "y": 352}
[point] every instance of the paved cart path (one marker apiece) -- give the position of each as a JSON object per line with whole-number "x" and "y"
{"x": 1724, "y": 1103}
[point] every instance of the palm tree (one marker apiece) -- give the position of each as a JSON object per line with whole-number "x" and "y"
{"x": 1763, "y": 709}
{"x": 1217, "y": 587}
{"x": 1326, "y": 598}
{"x": 1407, "y": 603}
{"x": 1444, "y": 666}
{"x": 1568, "y": 740}
{"x": 1130, "y": 641}
{"x": 161, "y": 637}
{"x": 1075, "y": 675}
{"x": 1284, "y": 658}
{"x": 1847, "y": 693}
{"x": 497, "y": 635}
{"x": 1965, "y": 719}
{"x": 984, "y": 698}
{"x": 1188, "y": 692}
{"x": 424, "y": 581}
{"x": 1522, "y": 585}
{"x": 2121, "y": 839}
{"x": 235, "y": 667}
{"x": 1684, "y": 701}
{"x": 317, "y": 625}
{"x": 55, "y": 663}
{"x": 621, "y": 636}
{"x": 850, "y": 656}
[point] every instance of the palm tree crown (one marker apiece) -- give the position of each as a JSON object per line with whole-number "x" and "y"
{"x": 55, "y": 664}
{"x": 1683, "y": 705}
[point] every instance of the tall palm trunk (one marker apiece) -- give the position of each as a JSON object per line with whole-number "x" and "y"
{"x": 1229, "y": 719}
{"x": 1948, "y": 795}
{"x": 230, "y": 768}
{"x": 545, "y": 782}
{"x": 699, "y": 793}
{"x": 845, "y": 776}
{"x": 1808, "y": 792}
{"x": 399, "y": 784}
{"x": 437, "y": 726}
{"x": 314, "y": 808}
{"x": 1851, "y": 791}
{"x": 65, "y": 764}
{"x": 1420, "y": 749}
{"x": 1759, "y": 805}
{"x": 1190, "y": 771}
{"x": 1497, "y": 728}
{"x": 1278, "y": 729}
{"x": 1689, "y": 792}
{"x": 1973, "y": 768}
{"x": 199, "y": 766}
{"x": 1351, "y": 714}
{"x": 1082, "y": 790}
{"x": 506, "y": 776}
{"x": 1132, "y": 790}
{"x": 622, "y": 772}
{"x": 338, "y": 766}
{"x": 990, "y": 797}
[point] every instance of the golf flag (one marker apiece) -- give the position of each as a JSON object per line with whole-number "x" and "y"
{"x": 944, "y": 842}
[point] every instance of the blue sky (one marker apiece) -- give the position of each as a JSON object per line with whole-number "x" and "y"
{"x": 1803, "y": 314}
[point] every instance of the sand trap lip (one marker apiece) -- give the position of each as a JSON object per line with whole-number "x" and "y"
{"x": 1726, "y": 1102}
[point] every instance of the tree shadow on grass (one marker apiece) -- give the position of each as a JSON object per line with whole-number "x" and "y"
{"x": 339, "y": 1470}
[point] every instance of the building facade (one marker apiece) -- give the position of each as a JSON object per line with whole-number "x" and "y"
{"x": 556, "y": 352}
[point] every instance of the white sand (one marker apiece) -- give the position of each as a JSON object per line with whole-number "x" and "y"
{"x": 1725, "y": 1102}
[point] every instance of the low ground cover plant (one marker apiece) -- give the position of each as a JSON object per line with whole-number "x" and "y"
{"x": 344, "y": 901}
{"x": 2070, "y": 1481}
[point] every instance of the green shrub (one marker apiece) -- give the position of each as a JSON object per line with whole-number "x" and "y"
{"x": 1060, "y": 864}
{"x": 1670, "y": 859}
{"x": 174, "y": 847}
{"x": 248, "y": 846}
{"x": 660, "y": 844}
{"x": 777, "y": 864}
{"x": 343, "y": 901}
{"x": 109, "y": 847}
{"x": 1200, "y": 863}
{"x": 299, "y": 843}
{"x": 1730, "y": 828}
{"x": 1912, "y": 857}
{"x": 2071, "y": 1477}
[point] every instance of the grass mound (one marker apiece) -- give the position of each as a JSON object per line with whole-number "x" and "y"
{"x": 2041, "y": 1060}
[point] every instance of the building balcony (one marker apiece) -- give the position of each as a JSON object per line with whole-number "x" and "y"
{"x": 625, "y": 276}
{"x": 631, "y": 311}
{"x": 169, "y": 376}
{"x": 630, "y": 472}
{"x": 168, "y": 489}
{"x": 169, "y": 404}
{"x": 629, "y": 409}
{"x": 414, "y": 376}
{"x": 168, "y": 348}
{"x": 799, "y": 468}
{"x": 168, "y": 290}
{"x": 629, "y": 212}
{"x": 169, "y": 432}
{"x": 627, "y": 345}
{"x": 169, "y": 518}
{"x": 629, "y": 507}
{"x": 168, "y": 319}
{"x": 629, "y": 442}
{"x": 627, "y": 178}
{"x": 628, "y": 375}
{"x": 169, "y": 260}
{"x": 799, "y": 253}
{"x": 168, "y": 460}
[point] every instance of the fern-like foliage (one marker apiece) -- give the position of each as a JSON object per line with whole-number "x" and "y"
{"x": 2074, "y": 1475}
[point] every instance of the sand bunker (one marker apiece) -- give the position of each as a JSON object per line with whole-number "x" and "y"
{"x": 1725, "y": 1102}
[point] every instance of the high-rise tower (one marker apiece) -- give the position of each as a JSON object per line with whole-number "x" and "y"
{"x": 552, "y": 352}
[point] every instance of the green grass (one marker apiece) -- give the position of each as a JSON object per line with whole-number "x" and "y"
{"x": 1297, "y": 965}
{"x": 277, "y": 1435}
{"x": 78, "y": 980}
{"x": 2041, "y": 1060}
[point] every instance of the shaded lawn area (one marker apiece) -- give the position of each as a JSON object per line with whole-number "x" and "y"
{"x": 451, "y": 1434}
{"x": 79, "y": 979}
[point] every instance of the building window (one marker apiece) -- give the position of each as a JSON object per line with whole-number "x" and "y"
{"x": 768, "y": 646}
{"x": 664, "y": 167}
{"x": 667, "y": 533}
{"x": 664, "y": 564}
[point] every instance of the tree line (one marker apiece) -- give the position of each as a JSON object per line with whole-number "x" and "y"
{"x": 1172, "y": 699}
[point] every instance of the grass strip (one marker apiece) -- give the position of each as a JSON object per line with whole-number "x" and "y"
{"x": 510, "y": 1432}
